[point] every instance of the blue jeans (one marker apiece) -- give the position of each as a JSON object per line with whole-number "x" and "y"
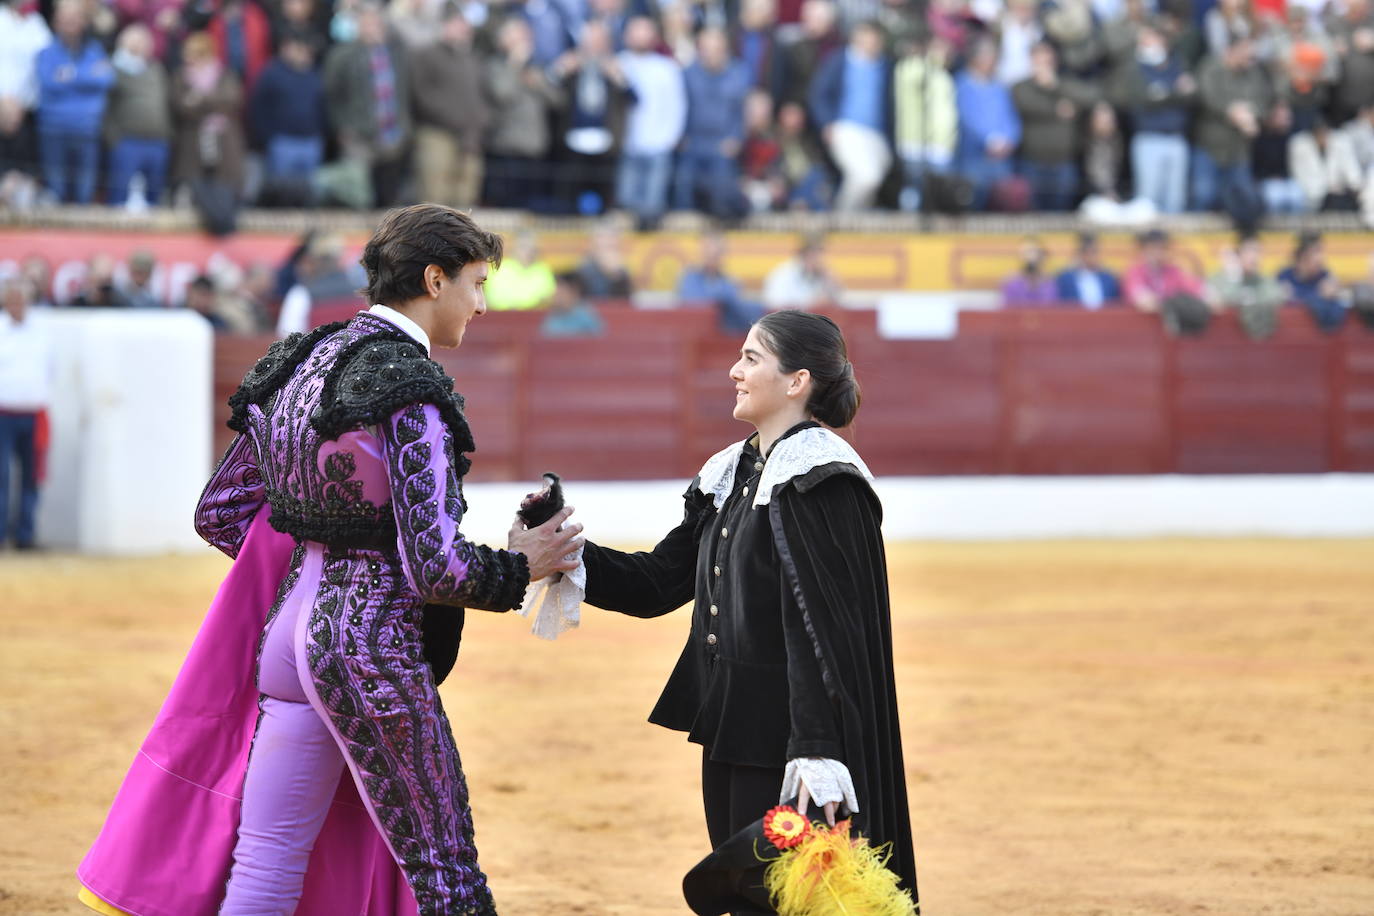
{"x": 1160, "y": 165}
{"x": 708, "y": 172}
{"x": 130, "y": 156}
{"x": 1283, "y": 195}
{"x": 1053, "y": 186}
{"x": 294, "y": 157}
{"x": 18, "y": 441}
{"x": 914, "y": 171}
{"x": 641, "y": 183}
{"x": 982, "y": 171}
{"x": 813, "y": 191}
{"x": 69, "y": 161}
{"x": 1211, "y": 180}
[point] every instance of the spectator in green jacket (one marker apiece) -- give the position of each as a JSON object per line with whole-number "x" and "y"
{"x": 1242, "y": 285}
{"x": 138, "y": 118}
{"x": 1234, "y": 93}
{"x": 927, "y": 120}
{"x": 523, "y": 281}
{"x": 1051, "y": 111}
{"x": 367, "y": 92}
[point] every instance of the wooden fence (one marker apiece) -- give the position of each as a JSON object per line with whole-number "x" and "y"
{"x": 1025, "y": 392}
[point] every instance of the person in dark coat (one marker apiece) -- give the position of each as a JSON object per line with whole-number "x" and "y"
{"x": 451, "y": 114}
{"x": 1309, "y": 283}
{"x": 368, "y": 97}
{"x": 592, "y": 123}
{"x": 287, "y": 111}
{"x": 1086, "y": 281}
{"x": 786, "y": 680}
{"x": 207, "y": 100}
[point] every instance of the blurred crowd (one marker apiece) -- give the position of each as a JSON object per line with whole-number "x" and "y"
{"x": 317, "y": 282}
{"x": 1125, "y": 107}
{"x": 1158, "y": 283}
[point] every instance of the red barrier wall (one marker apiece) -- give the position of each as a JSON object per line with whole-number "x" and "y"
{"x": 1031, "y": 392}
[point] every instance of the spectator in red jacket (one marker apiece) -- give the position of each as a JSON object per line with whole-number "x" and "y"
{"x": 1154, "y": 277}
{"x": 243, "y": 39}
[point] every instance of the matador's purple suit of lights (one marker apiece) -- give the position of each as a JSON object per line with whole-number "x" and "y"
{"x": 355, "y": 439}
{"x": 351, "y": 442}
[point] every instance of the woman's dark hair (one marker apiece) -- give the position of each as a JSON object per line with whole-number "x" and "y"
{"x": 409, "y": 239}
{"x": 801, "y": 340}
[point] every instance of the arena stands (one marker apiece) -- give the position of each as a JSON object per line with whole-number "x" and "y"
{"x": 1130, "y": 108}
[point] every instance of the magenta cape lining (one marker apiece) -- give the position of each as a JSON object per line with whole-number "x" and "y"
{"x": 166, "y": 846}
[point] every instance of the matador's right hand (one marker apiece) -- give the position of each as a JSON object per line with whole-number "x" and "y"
{"x": 550, "y": 548}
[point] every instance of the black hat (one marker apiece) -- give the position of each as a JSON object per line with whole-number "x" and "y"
{"x": 734, "y": 877}
{"x": 730, "y": 879}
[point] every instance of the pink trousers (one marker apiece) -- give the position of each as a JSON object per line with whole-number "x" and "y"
{"x": 293, "y": 775}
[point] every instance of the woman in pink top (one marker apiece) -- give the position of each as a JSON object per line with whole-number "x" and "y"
{"x": 1155, "y": 277}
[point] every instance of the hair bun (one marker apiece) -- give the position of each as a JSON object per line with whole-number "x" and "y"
{"x": 839, "y": 402}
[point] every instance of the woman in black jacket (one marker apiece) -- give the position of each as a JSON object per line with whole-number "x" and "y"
{"x": 786, "y": 679}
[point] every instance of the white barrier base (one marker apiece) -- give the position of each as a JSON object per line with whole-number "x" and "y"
{"x": 1004, "y": 508}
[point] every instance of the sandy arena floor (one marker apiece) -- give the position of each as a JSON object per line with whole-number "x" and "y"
{"x": 1123, "y": 728}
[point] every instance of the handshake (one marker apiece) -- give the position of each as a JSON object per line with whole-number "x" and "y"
{"x": 550, "y": 546}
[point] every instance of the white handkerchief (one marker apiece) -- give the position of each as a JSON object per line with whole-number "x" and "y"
{"x": 555, "y": 602}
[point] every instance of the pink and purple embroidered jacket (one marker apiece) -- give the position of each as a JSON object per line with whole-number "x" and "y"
{"x": 351, "y": 442}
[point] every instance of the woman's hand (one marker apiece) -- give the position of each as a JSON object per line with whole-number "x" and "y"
{"x": 827, "y": 782}
{"x": 547, "y": 548}
{"x": 804, "y": 799}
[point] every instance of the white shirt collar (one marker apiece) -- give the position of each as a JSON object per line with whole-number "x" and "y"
{"x": 387, "y": 313}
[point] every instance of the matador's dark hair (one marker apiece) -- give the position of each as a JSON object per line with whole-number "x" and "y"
{"x": 409, "y": 239}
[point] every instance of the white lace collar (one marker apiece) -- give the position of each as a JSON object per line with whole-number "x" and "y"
{"x": 791, "y": 457}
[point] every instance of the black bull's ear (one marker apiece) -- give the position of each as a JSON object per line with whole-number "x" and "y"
{"x": 544, "y": 505}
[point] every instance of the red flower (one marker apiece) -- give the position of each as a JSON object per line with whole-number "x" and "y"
{"x": 784, "y": 827}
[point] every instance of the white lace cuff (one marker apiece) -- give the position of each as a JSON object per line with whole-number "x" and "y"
{"x": 826, "y": 781}
{"x": 555, "y": 602}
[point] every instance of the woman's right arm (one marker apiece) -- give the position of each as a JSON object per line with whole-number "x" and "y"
{"x": 648, "y": 583}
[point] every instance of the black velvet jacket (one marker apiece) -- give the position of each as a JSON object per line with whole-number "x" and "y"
{"x": 790, "y": 652}
{"x": 747, "y": 685}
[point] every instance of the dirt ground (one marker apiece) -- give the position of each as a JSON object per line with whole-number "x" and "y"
{"x": 1163, "y": 727}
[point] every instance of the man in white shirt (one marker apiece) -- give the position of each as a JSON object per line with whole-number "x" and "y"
{"x": 654, "y": 126}
{"x": 26, "y": 374}
{"x": 802, "y": 282}
{"x": 22, "y": 36}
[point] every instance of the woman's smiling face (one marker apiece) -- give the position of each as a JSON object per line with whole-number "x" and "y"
{"x": 760, "y": 384}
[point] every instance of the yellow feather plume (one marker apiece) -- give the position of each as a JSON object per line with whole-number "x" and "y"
{"x": 830, "y": 874}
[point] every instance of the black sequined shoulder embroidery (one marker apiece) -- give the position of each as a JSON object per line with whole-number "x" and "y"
{"x": 273, "y": 370}
{"x": 377, "y": 375}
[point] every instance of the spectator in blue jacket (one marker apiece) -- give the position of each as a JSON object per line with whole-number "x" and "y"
{"x": 287, "y": 111}
{"x": 708, "y": 284}
{"x": 1310, "y": 283}
{"x": 851, "y": 102}
{"x": 1157, "y": 91}
{"x": 74, "y": 78}
{"x": 551, "y": 25}
{"x": 716, "y": 87}
{"x": 989, "y": 127}
{"x": 1086, "y": 281}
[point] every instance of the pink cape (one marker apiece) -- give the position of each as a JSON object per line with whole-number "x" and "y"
{"x": 167, "y": 843}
